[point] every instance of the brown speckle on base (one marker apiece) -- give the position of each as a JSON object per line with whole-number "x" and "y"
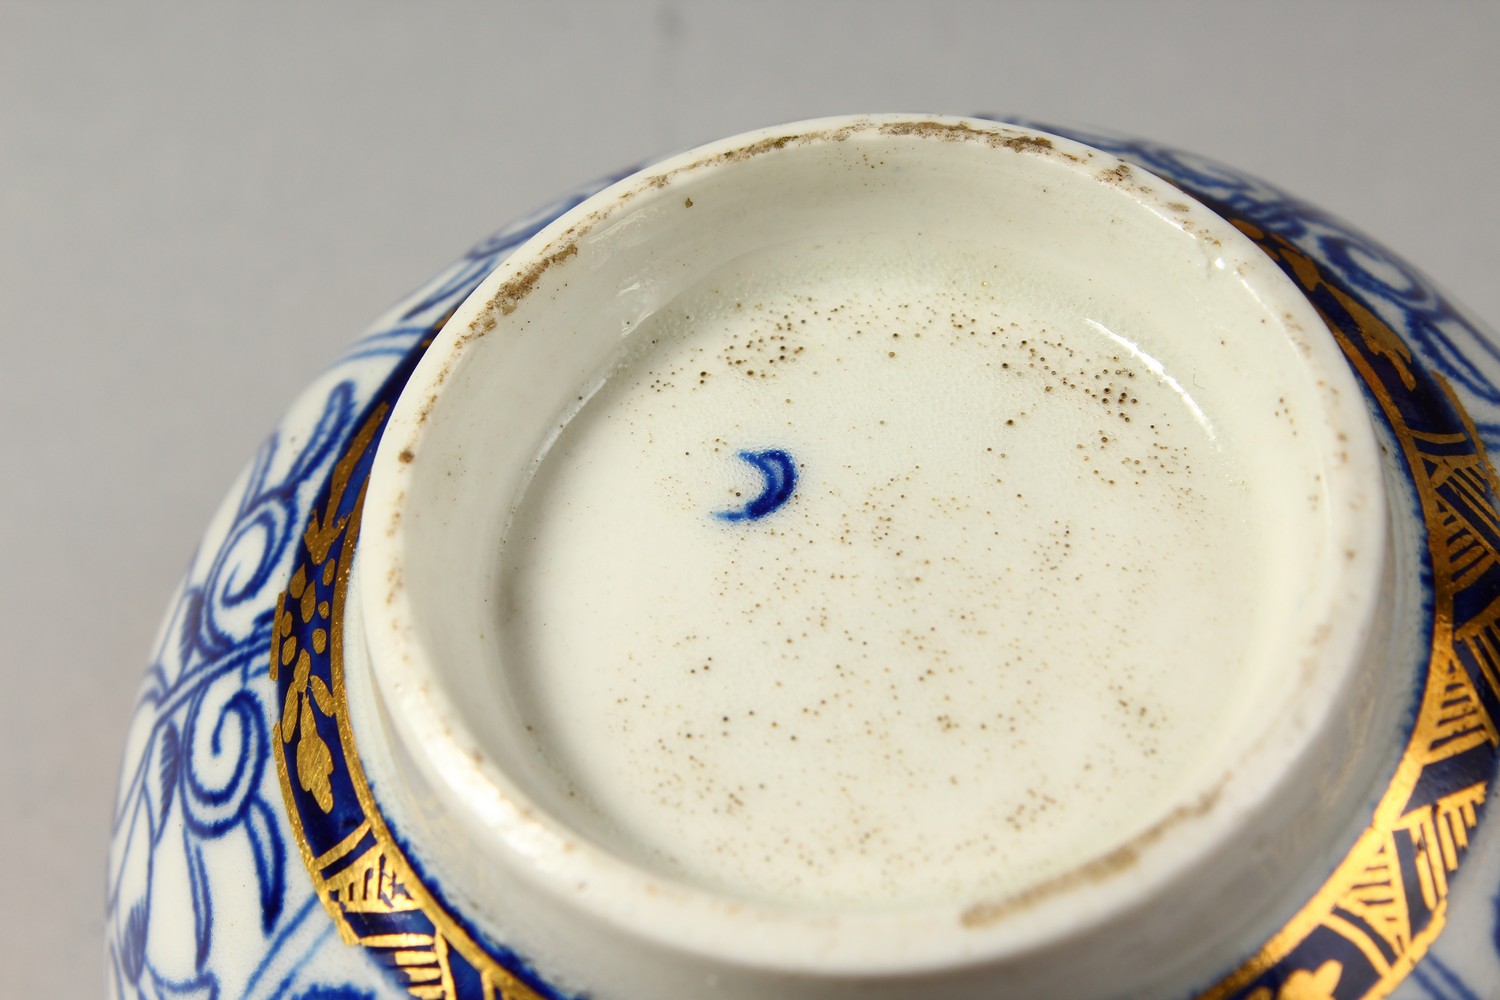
{"x": 1098, "y": 870}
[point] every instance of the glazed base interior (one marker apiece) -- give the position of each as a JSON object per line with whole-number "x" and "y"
{"x": 1002, "y": 623}
{"x": 1061, "y": 545}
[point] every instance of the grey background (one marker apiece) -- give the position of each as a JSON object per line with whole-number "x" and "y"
{"x": 200, "y": 204}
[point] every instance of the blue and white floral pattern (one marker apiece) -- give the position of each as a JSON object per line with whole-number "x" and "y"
{"x": 207, "y": 894}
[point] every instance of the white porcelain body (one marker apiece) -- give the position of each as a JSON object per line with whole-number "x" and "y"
{"x": 1239, "y": 653}
{"x": 461, "y": 824}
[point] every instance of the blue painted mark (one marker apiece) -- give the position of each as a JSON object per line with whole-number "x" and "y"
{"x": 780, "y": 473}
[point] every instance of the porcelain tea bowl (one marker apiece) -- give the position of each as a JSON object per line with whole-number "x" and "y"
{"x": 890, "y": 556}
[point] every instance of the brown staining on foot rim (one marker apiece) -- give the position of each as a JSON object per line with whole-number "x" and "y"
{"x": 508, "y": 297}
{"x": 510, "y": 294}
{"x": 1120, "y": 859}
{"x": 956, "y": 131}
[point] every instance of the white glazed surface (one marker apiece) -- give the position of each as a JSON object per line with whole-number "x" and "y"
{"x": 941, "y": 672}
{"x": 578, "y": 426}
{"x": 255, "y": 276}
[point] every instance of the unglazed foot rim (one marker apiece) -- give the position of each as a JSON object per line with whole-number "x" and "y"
{"x": 465, "y": 489}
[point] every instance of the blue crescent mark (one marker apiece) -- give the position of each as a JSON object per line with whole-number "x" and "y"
{"x": 780, "y": 473}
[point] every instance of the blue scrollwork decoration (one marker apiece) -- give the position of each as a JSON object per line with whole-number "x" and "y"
{"x": 206, "y": 896}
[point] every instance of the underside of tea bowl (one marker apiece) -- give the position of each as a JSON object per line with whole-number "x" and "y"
{"x": 1060, "y": 554}
{"x": 893, "y": 556}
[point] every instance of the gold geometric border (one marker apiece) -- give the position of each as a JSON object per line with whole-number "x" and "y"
{"x": 1359, "y": 935}
{"x": 366, "y": 883}
{"x": 1369, "y": 901}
